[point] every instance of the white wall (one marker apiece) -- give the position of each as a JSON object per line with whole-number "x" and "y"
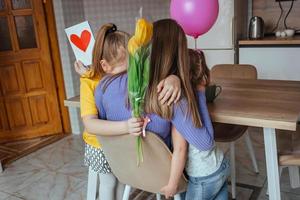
{"x": 123, "y": 13}
{"x": 67, "y": 13}
{"x": 214, "y": 57}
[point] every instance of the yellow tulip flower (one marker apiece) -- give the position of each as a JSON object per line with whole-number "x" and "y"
{"x": 143, "y": 32}
{"x": 142, "y": 36}
{"x": 132, "y": 45}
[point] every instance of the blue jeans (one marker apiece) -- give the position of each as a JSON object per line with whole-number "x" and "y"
{"x": 213, "y": 186}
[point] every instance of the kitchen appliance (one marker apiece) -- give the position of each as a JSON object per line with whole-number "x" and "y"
{"x": 220, "y": 43}
{"x": 256, "y": 28}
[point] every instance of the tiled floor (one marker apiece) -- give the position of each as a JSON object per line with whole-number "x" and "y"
{"x": 56, "y": 172}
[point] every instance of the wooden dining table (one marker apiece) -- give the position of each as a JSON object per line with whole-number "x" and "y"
{"x": 270, "y": 104}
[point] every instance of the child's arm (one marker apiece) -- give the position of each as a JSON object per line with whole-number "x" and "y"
{"x": 177, "y": 165}
{"x": 201, "y": 138}
{"x": 93, "y": 124}
{"x": 89, "y": 113}
{"x": 201, "y": 88}
{"x": 169, "y": 90}
{"x": 96, "y": 126}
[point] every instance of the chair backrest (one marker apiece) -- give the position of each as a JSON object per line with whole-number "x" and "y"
{"x": 234, "y": 71}
{"x": 288, "y": 144}
{"x": 152, "y": 174}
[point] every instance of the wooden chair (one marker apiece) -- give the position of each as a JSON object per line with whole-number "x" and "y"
{"x": 152, "y": 174}
{"x": 289, "y": 154}
{"x": 229, "y": 133}
{"x": 288, "y": 145}
{"x": 236, "y": 71}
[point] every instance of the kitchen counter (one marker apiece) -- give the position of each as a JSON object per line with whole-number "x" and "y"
{"x": 271, "y": 41}
{"x": 277, "y": 62}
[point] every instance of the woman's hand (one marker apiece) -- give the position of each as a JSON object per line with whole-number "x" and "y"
{"x": 135, "y": 126}
{"x": 80, "y": 68}
{"x": 169, "y": 190}
{"x": 169, "y": 90}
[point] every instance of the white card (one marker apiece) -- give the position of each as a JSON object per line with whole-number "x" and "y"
{"x": 82, "y": 41}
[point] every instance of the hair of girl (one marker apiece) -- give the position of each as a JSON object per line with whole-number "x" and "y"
{"x": 169, "y": 55}
{"x": 110, "y": 45}
{"x": 199, "y": 71}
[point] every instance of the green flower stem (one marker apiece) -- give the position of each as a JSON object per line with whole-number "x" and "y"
{"x": 138, "y": 80}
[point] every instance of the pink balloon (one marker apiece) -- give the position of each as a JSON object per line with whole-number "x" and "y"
{"x": 196, "y": 17}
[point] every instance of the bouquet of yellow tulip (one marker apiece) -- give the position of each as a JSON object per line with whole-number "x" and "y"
{"x": 138, "y": 72}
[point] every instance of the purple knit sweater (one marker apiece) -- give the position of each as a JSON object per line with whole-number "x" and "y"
{"x": 111, "y": 105}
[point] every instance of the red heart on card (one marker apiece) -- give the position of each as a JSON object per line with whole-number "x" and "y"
{"x": 83, "y": 41}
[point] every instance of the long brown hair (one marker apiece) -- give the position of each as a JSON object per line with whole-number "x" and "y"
{"x": 169, "y": 55}
{"x": 199, "y": 71}
{"x": 111, "y": 45}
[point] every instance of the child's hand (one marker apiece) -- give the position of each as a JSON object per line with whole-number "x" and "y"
{"x": 80, "y": 68}
{"x": 201, "y": 88}
{"x": 169, "y": 90}
{"x": 135, "y": 126}
{"x": 169, "y": 190}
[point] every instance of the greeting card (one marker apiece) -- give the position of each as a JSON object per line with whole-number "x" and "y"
{"x": 82, "y": 41}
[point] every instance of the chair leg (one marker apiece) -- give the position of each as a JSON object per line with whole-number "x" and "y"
{"x": 232, "y": 167}
{"x": 177, "y": 197}
{"x": 251, "y": 152}
{"x": 126, "y": 192}
{"x": 92, "y": 184}
{"x": 294, "y": 176}
{"x": 158, "y": 197}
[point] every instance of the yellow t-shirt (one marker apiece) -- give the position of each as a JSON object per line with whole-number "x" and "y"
{"x": 88, "y": 105}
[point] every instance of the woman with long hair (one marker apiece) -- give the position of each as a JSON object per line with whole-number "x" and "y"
{"x": 206, "y": 167}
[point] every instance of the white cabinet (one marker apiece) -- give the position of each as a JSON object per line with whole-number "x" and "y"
{"x": 279, "y": 63}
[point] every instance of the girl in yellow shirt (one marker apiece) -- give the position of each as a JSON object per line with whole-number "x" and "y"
{"x": 110, "y": 56}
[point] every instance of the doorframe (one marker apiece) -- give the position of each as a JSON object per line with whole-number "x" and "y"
{"x": 56, "y": 62}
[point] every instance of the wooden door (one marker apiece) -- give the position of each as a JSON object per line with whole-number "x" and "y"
{"x": 28, "y": 97}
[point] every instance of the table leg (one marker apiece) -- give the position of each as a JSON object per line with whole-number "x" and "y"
{"x": 272, "y": 163}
